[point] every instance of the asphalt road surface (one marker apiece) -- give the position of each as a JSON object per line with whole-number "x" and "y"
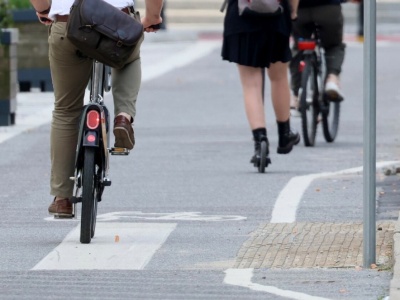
{"x": 184, "y": 203}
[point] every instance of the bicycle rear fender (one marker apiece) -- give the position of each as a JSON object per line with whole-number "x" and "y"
{"x": 91, "y": 137}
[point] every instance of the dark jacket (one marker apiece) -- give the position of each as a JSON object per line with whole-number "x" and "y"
{"x": 311, "y": 3}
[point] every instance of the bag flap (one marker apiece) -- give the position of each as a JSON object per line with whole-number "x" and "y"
{"x": 267, "y": 7}
{"x": 110, "y": 21}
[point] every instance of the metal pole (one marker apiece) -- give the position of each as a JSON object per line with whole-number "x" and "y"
{"x": 369, "y": 177}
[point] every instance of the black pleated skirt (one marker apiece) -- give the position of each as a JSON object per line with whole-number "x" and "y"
{"x": 256, "y": 49}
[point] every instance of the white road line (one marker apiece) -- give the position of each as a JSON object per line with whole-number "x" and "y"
{"x": 176, "y": 216}
{"x": 242, "y": 277}
{"x": 116, "y": 246}
{"x": 180, "y": 59}
{"x": 286, "y": 205}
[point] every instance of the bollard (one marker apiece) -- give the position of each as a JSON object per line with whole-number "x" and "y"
{"x": 8, "y": 76}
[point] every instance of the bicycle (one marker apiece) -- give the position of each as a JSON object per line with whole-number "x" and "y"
{"x": 92, "y": 152}
{"x": 313, "y": 101}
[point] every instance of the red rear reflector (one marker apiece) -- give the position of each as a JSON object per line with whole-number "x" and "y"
{"x": 91, "y": 138}
{"x": 306, "y": 45}
{"x": 92, "y": 119}
{"x": 302, "y": 65}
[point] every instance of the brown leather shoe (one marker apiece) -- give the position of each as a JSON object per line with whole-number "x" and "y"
{"x": 123, "y": 131}
{"x": 61, "y": 208}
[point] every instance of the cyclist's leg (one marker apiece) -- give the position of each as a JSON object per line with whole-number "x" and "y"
{"x": 70, "y": 74}
{"x": 125, "y": 88}
{"x": 330, "y": 19}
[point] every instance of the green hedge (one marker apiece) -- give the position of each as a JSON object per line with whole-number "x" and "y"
{"x": 6, "y": 6}
{"x": 5, "y": 16}
{"x": 20, "y": 4}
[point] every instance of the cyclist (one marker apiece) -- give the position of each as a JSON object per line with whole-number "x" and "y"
{"x": 254, "y": 44}
{"x": 328, "y": 15}
{"x": 70, "y": 71}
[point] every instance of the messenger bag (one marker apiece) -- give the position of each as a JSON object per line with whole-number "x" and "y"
{"x": 103, "y": 32}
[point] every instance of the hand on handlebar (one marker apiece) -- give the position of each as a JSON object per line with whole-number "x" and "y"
{"x": 151, "y": 25}
{"x": 44, "y": 19}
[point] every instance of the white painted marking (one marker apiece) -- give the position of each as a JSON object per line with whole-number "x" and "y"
{"x": 180, "y": 59}
{"x": 286, "y": 205}
{"x": 138, "y": 242}
{"x": 177, "y": 216}
{"x": 138, "y": 215}
{"x": 242, "y": 277}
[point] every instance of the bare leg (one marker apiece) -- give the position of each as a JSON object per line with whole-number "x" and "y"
{"x": 280, "y": 90}
{"x": 251, "y": 79}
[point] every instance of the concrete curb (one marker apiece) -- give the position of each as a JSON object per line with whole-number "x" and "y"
{"x": 395, "y": 282}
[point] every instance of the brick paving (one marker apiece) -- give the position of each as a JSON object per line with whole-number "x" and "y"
{"x": 314, "y": 245}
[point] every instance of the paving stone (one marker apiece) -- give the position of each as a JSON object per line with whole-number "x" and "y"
{"x": 314, "y": 245}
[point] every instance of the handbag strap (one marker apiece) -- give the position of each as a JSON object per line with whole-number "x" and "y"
{"x": 224, "y": 4}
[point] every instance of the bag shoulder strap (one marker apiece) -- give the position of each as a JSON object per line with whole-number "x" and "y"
{"x": 224, "y": 4}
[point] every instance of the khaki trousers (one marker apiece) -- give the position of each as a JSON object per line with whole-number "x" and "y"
{"x": 70, "y": 74}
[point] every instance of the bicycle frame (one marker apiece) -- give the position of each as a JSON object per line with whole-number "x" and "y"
{"x": 313, "y": 49}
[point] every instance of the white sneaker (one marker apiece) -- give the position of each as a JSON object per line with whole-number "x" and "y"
{"x": 294, "y": 112}
{"x": 294, "y": 107}
{"x": 333, "y": 92}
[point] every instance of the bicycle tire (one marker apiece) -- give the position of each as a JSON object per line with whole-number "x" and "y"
{"x": 94, "y": 217}
{"x": 89, "y": 207}
{"x": 309, "y": 109}
{"x": 330, "y": 120}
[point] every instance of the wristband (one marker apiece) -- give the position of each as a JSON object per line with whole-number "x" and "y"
{"x": 45, "y": 12}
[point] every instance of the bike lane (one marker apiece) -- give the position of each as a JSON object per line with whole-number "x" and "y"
{"x": 206, "y": 159}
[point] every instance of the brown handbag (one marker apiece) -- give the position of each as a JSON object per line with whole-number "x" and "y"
{"x": 103, "y": 32}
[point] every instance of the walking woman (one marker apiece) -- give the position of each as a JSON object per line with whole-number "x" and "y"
{"x": 255, "y": 43}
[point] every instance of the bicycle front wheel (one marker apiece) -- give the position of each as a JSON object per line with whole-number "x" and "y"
{"x": 330, "y": 120}
{"x": 309, "y": 102}
{"x": 89, "y": 197}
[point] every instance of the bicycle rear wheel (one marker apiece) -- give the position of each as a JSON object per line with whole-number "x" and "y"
{"x": 89, "y": 196}
{"x": 330, "y": 120}
{"x": 309, "y": 109}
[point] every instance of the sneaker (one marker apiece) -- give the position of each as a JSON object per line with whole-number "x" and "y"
{"x": 332, "y": 91}
{"x": 61, "y": 208}
{"x": 123, "y": 132}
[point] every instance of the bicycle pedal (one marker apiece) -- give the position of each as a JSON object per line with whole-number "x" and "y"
{"x": 106, "y": 182}
{"x": 62, "y": 217}
{"x": 75, "y": 200}
{"x": 119, "y": 151}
